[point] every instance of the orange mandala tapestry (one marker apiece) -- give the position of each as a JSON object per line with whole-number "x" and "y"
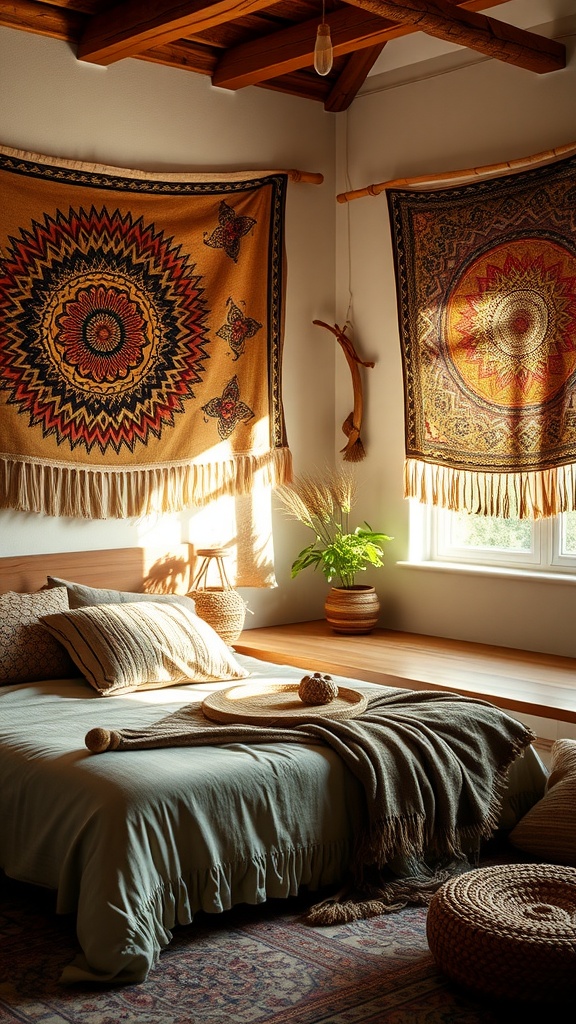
{"x": 141, "y": 325}
{"x": 486, "y": 286}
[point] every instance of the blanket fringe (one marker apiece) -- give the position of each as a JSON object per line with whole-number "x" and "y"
{"x": 350, "y": 904}
{"x": 524, "y": 495}
{"x": 385, "y": 839}
{"x": 103, "y": 493}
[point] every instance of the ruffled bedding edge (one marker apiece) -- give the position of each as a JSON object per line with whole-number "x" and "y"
{"x": 274, "y": 874}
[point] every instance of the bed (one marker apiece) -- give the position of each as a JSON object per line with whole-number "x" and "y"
{"x": 137, "y": 842}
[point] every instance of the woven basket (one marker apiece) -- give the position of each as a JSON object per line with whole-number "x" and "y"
{"x": 222, "y": 609}
{"x": 220, "y": 606}
{"x": 508, "y": 931}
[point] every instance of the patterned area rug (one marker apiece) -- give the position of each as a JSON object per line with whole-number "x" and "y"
{"x": 253, "y": 965}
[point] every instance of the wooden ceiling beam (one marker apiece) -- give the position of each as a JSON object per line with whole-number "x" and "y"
{"x": 42, "y": 20}
{"x": 479, "y": 32}
{"x": 306, "y": 86}
{"x": 183, "y": 55}
{"x": 84, "y": 6}
{"x": 137, "y": 25}
{"x": 352, "y": 78}
{"x": 291, "y": 49}
{"x": 198, "y": 37}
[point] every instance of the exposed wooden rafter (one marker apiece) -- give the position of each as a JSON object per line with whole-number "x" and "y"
{"x": 136, "y": 25}
{"x": 354, "y": 75}
{"x": 477, "y": 31}
{"x": 293, "y": 48}
{"x": 239, "y": 43}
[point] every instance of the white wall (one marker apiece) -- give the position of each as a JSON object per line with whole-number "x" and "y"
{"x": 141, "y": 115}
{"x": 473, "y": 115}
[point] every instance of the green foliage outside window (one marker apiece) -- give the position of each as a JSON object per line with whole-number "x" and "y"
{"x": 489, "y": 532}
{"x": 496, "y": 534}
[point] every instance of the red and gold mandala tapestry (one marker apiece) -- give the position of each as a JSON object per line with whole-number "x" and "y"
{"x": 486, "y": 286}
{"x": 140, "y": 337}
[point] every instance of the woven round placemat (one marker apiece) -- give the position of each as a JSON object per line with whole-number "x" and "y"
{"x": 508, "y": 931}
{"x": 269, "y": 702}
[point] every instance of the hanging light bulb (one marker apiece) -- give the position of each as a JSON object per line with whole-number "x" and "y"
{"x": 323, "y": 56}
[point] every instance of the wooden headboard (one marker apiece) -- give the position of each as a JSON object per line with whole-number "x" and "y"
{"x": 150, "y": 570}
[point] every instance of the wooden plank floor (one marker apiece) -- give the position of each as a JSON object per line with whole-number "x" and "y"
{"x": 536, "y": 684}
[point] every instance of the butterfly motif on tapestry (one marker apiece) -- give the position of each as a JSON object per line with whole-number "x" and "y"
{"x": 228, "y": 409}
{"x": 237, "y": 329}
{"x": 231, "y": 228}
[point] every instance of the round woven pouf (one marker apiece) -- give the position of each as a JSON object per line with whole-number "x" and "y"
{"x": 508, "y": 931}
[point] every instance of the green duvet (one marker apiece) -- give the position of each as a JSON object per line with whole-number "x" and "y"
{"x": 136, "y": 842}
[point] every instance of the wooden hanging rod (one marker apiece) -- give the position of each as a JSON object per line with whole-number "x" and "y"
{"x": 469, "y": 173}
{"x": 307, "y": 177}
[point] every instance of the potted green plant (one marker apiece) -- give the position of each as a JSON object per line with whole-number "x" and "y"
{"x": 324, "y": 505}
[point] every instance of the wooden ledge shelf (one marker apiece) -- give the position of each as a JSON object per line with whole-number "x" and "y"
{"x": 535, "y": 684}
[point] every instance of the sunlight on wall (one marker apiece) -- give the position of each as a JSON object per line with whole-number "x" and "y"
{"x": 243, "y": 525}
{"x": 159, "y": 531}
{"x": 417, "y": 534}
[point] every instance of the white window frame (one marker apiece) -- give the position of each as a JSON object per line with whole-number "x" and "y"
{"x": 430, "y": 543}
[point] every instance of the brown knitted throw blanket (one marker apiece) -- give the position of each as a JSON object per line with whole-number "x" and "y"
{"x": 433, "y": 767}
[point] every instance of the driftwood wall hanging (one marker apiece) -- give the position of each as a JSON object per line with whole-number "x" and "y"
{"x": 353, "y": 450}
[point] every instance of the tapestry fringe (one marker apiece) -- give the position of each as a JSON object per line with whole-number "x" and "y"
{"x": 102, "y": 493}
{"x": 523, "y": 495}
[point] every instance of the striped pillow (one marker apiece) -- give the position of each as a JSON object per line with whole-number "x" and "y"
{"x": 548, "y": 830}
{"x": 123, "y": 647}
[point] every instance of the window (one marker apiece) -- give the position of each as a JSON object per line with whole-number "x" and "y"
{"x": 546, "y": 545}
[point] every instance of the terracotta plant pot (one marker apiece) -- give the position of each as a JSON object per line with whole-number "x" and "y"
{"x": 352, "y": 609}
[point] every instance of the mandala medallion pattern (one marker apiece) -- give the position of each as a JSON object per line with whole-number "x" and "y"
{"x": 104, "y": 326}
{"x": 486, "y": 288}
{"x": 511, "y": 323}
{"x": 117, "y": 329}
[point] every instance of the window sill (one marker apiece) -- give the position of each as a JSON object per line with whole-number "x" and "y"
{"x": 534, "y": 684}
{"x": 497, "y": 571}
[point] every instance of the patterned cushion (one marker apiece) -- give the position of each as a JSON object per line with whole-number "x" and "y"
{"x": 548, "y": 830}
{"x": 122, "y": 647}
{"x": 81, "y": 596}
{"x": 27, "y": 652}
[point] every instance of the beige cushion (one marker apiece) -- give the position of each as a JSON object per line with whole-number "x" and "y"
{"x": 548, "y": 830}
{"x": 81, "y": 596}
{"x": 122, "y": 647}
{"x": 27, "y": 652}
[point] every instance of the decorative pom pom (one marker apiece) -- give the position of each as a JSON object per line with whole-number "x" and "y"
{"x": 317, "y": 689}
{"x": 99, "y": 740}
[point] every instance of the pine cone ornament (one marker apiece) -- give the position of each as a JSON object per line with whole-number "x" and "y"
{"x": 317, "y": 689}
